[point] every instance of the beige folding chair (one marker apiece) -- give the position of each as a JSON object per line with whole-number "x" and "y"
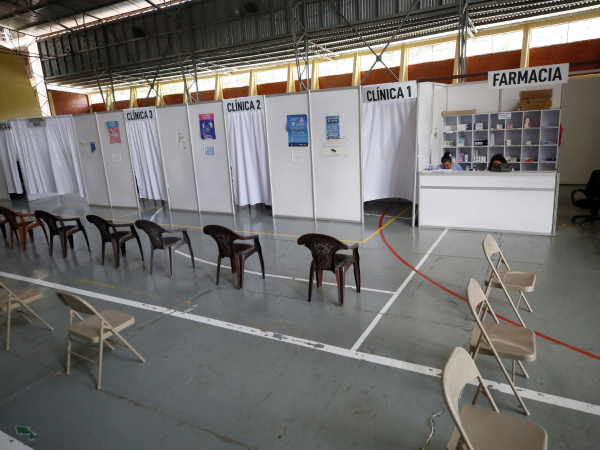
{"x": 506, "y": 279}
{"x": 96, "y": 329}
{"x": 479, "y": 428}
{"x": 499, "y": 340}
{"x": 18, "y": 298}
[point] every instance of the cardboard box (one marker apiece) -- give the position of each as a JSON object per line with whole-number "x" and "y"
{"x": 532, "y": 104}
{"x": 532, "y": 100}
{"x": 465, "y": 112}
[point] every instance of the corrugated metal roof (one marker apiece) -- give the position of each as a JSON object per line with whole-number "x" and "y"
{"x": 221, "y": 34}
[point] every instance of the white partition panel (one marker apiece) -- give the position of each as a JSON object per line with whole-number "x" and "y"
{"x": 291, "y": 174}
{"x": 213, "y": 174}
{"x": 4, "y": 195}
{"x": 90, "y": 155}
{"x": 174, "y": 135}
{"x": 337, "y": 179}
{"x": 117, "y": 160}
{"x": 474, "y": 95}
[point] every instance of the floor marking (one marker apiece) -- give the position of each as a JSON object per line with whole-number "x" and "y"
{"x": 390, "y": 221}
{"x": 313, "y": 345}
{"x": 8, "y": 442}
{"x": 543, "y": 336}
{"x": 284, "y": 277}
{"x": 154, "y": 215}
{"x": 380, "y": 314}
{"x": 131, "y": 214}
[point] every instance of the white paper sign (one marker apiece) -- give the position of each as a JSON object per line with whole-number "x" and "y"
{"x": 532, "y": 76}
{"x": 182, "y": 145}
{"x": 334, "y": 147}
{"x": 36, "y": 122}
{"x": 116, "y": 157}
{"x": 244, "y": 104}
{"x": 504, "y": 115}
{"x": 297, "y": 156}
{"x": 84, "y": 148}
{"x": 5, "y": 125}
{"x": 389, "y": 91}
{"x": 147, "y": 113}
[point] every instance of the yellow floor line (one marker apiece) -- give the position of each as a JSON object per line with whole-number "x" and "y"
{"x": 259, "y": 232}
{"x": 136, "y": 212}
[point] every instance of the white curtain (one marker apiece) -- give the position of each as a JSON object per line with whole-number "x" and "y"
{"x": 147, "y": 162}
{"x": 247, "y": 137}
{"x": 34, "y": 155}
{"x": 8, "y": 159}
{"x": 62, "y": 146}
{"x": 388, "y": 140}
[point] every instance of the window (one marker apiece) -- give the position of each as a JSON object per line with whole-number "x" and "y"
{"x": 390, "y": 58}
{"x": 336, "y": 67}
{"x": 303, "y": 71}
{"x": 97, "y": 98}
{"x": 142, "y": 92}
{"x": 271, "y": 76}
{"x": 122, "y": 95}
{"x": 496, "y": 43}
{"x": 581, "y": 30}
{"x": 204, "y": 84}
{"x": 234, "y": 81}
{"x": 173, "y": 88}
{"x": 429, "y": 53}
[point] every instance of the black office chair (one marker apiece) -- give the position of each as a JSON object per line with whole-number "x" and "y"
{"x": 591, "y": 200}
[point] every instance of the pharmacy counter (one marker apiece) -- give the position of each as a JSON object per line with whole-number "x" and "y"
{"x": 513, "y": 202}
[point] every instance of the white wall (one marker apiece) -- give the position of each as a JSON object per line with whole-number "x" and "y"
{"x": 92, "y": 165}
{"x": 580, "y": 150}
{"x": 178, "y": 161}
{"x": 337, "y": 179}
{"x": 474, "y": 95}
{"x": 119, "y": 173}
{"x": 213, "y": 173}
{"x": 440, "y": 105}
{"x": 291, "y": 182}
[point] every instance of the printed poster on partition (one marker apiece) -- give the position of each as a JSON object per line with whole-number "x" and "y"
{"x": 207, "y": 126}
{"x": 333, "y": 126}
{"x": 114, "y": 134}
{"x": 297, "y": 130}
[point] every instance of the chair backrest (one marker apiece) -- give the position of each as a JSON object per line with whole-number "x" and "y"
{"x": 76, "y": 303}
{"x": 458, "y": 371}
{"x": 153, "y": 231}
{"x": 323, "y": 249}
{"x": 50, "y": 219}
{"x": 11, "y": 217}
{"x": 224, "y": 238}
{"x": 490, "y": 247}
{"x": 592, "y": 189}
{"x": 475, "y": 297}
{"x": 103, "y": 226}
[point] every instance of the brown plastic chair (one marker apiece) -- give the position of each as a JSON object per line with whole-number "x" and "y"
{"x": 479, "y": 428}
{"x": 324, "y": 252}
{"x": 499, "y": 340}
{"x": 19, "y": 298}
{"x": 20, "y": 229}
{"x": 506, "y": 279}
{"x": 237, "y": 253}
{"x": 96, "y": 329}
{"x": 167, "y": 243}
{"x": 64, "y": 232}
{"x": 109, "y": 233}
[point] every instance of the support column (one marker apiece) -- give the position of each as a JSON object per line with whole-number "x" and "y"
{"x": 403, "y": 63}
{"x": 314, "y": 79}
{"x": 252, "y": 89}
{"x": 51, "y": 102}
{"x": 356, "y": 70}
{"x": 456, "y": 64}
{"x": 525, "y": 47}
{"x": 133, "y": 99}
{"x": 218, "y": 87}
{"x": 89, "y": 97}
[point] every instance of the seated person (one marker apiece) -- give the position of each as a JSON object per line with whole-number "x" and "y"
{"x": 498, "y": 164}
{"x": 447, "y": 163}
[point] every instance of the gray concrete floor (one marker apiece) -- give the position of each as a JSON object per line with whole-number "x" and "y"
{"x": 211, "y": 387}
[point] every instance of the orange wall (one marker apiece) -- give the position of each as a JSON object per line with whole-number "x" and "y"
{"x": 567, "y": 53}
{"x": 69, "y": 103}
{"x": 334, "y": 81}
{"x": 271, "y": 88}
{"x": 378, "y": 76}
{"x": 493, "y": 61}
{"x": 236, "y": 92}
{"x": 431, "y": 70}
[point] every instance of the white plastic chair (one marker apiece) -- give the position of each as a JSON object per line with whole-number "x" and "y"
{"x": 479, "y": 428}
{"x": 96, "y": 329}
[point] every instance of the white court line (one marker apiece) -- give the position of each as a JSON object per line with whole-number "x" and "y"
{"x": 283, "y": 276}
{"x": 8, "y": 442}
{"x": 347, "y": 353}
{"x": 380, "y": 314}
{"x": 154, "y": 215}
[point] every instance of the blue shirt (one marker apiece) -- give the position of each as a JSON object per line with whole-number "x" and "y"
{"x": 456, "y": 167}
